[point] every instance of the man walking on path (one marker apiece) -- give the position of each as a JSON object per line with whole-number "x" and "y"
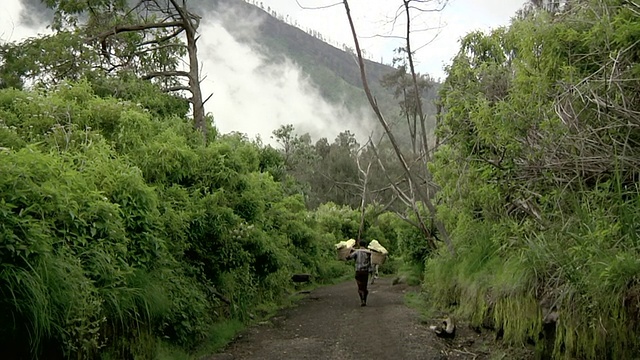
{"x": 363, "y": 266}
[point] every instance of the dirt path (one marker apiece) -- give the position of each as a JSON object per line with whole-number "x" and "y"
{"x": 330, "y": 324}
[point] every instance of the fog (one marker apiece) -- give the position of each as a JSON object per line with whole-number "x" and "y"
{"x": 250, "y": 95}
{"x": 255, "y": 96}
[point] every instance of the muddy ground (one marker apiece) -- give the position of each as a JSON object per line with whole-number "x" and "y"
{"x": 329, "y": 323}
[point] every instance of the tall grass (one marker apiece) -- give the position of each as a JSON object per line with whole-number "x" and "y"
{"x": 56, "y": 302}
{"x": 585, "y": 266}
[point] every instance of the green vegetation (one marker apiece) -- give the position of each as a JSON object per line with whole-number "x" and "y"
{"x": 127, "y": 233}
{"x": 539, "y": 181}
{"x": 120, "y": 226}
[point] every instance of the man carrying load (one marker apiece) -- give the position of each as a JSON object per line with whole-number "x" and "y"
{"x": 363, "y": 266}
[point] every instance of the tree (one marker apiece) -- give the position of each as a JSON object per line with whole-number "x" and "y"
{"x": 411, "y": 103}
{"x": 417, "y": 188}
{"x": 327, "y": 172}
{"x": 46, "y": 61}
{"x": 112, "y": 37}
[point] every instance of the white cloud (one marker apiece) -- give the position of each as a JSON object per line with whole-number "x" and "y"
{"x": 253, "y": 96}
{"x": 11, "y": 28}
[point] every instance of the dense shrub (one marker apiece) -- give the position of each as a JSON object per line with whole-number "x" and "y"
{"x": 539, "y": 181}
{"x": 120, "y": 226}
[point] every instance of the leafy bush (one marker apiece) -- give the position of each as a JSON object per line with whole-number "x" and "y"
{"x": 535, "y": 190}
{"x": 120, "y": 226}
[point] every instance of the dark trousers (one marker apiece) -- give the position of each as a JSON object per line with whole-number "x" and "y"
{"x": 362, "y": 279}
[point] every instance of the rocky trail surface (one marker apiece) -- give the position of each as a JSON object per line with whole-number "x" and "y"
{"x": 329, "y": 323}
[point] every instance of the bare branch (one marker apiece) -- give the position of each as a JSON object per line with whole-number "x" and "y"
{"x": 178, "y": 88}
{"x": 156, "y": 74}
{"x": 162, "y": 39}
{"x": 137, "y": 27}
{"x": 424, "y": 197}
{"x": 160, "y": 47}
{"x": 207, "y": 99}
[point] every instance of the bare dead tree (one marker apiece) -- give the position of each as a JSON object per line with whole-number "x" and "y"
{"x": 364, "y": 178}
{"x": 409, "y": 200}
{"x": 418, "y": 98}
{"x": 422, "y": 195}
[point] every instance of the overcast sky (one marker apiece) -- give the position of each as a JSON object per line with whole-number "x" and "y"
{"x": 373, "y": 17}
{"x": 253, "y": 96}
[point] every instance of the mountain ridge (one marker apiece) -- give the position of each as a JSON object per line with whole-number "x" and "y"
{"x": 333, "y": 71}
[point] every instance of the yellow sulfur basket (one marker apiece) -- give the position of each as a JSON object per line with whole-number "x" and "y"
{"x": 343, "y": 253}
{"x": 378, "y": 258}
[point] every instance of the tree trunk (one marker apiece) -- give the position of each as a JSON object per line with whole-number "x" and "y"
{"x": 421, "y": 194}
{"x": 194, "y": 83}
{"x": 190, "y": 24}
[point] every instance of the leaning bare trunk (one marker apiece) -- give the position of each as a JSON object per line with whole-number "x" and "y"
{"x": 194, "y": 83}
{"x": 424, "y": 197}
{"x": 363, "y": 202}
{"x": 190, "y": 23}
{"x": 418, "y": 101}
